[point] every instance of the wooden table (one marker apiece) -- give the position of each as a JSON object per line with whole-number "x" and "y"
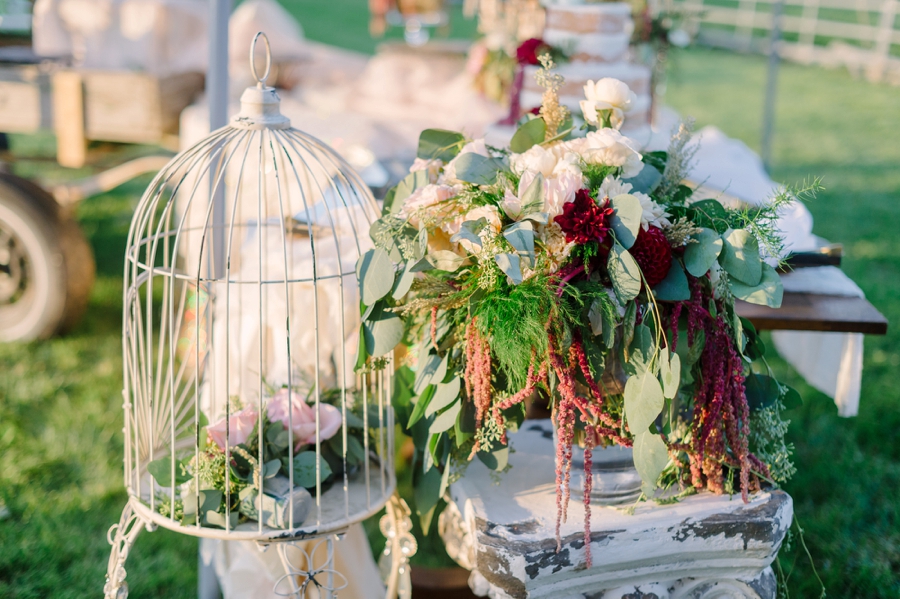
{"x": 812, "y": 312}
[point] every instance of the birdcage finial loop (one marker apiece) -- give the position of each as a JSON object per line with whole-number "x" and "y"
{"x": 260, "y": 81}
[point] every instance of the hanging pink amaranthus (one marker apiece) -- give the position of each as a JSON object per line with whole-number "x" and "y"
{"x": 721, "y": 412}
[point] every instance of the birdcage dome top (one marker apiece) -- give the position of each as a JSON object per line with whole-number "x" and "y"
{"x": 246, "y": 415}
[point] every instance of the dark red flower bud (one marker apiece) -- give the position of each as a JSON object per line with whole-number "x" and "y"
{"x": 653, "y": 254}
{"x": 584, "y": 220}
{"x": 530, "y": 49}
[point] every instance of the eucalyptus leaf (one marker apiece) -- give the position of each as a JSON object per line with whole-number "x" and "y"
{"x": 670, "y": 373}
{"x": 427, "y": 493}
{"x": 446, "y": 260}
{"x": 520, "y": 235}
{"x": 421, "y": 405}
{"x": 641, "y": 350}
{"x": 769, "y": 292}
{"x": 427, "y": 368}
{"x": 444, "y": 395}
{"x": 496, "y": 459}
{"x": 643, "y": 401}
{"x": 700, "y": 256}
{"x": 710, "y": 214}
{"x": 762, "y": 391}
{"x": 674, "y": 288}
{"x": 161, "y": 470}
{"x": 469, "y": 231}
{"x": 375, "y": 273}
{"x": 422, "y": 265}
{"x": 382, "y": 332}
{"x": 740, "y": 256}
{"x": 528, "y": 135}
{"x": 404, "y": 281}
{"x": 406, "y": 187}
{"x": 509, "y": 264}
{"x": 477, "y": 169}
{"x": 650, "y": 458}
{"x": 532, "y": 199}
{"x": 305, "y": 469}
{"x": 541, "y": 218}
{"x": 445, "y": 420}
{"x": 645, "y": 181}
{"x": 624, "y": 273}
{"x": 361, "y": 354}
{"x": 626, "y": 221}
{"x": 439, "y": 144}
{"x": 628, "y": 322}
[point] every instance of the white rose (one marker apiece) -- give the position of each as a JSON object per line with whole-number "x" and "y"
{"x": 611, "y": 148}
{"x": 606, "y": 102}
{"x": 473, "y": 147}
{"x": 536, "y": 160}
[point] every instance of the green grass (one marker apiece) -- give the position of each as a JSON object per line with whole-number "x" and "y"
{"x": 60, "y": 400}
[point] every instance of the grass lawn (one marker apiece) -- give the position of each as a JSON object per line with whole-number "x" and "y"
{"x": 60, "y": 400}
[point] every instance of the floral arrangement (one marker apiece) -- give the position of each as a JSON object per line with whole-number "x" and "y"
{"x": 579, "y": 272}
{"x": 287, "y": 414}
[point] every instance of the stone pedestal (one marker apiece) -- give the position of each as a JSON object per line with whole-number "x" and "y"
{"x": 704, "y": 546}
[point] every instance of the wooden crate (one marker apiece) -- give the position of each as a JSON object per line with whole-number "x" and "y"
{"x": 116, "y": 106}
{"x": 24, "y": 99}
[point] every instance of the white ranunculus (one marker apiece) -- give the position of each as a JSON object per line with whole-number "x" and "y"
{"x": 606, "y": 102}
{"x": 473, "y": 147}
{"x": 611, "y": 148}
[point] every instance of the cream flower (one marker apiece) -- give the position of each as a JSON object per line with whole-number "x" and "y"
{"x": 432, "y": 167}
{"x": 606, "y": 102}
{"x": 610, "y": 148}
{"x": 422, "y": 198}
{"x": 494, "y": 225}
{"x": 554, "y": 240}
{"x": 473, "y": 147}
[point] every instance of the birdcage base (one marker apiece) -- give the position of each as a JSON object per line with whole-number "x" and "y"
{"x": 332, "y": 515}
{"x": 122, "y": 536}
{"x": 309, "y": 571}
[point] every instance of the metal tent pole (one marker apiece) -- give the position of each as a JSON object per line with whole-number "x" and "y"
{"x": 771, "y": 86}
{"x": 217, "y": 98}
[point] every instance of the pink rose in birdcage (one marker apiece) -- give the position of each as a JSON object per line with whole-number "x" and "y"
{"x": 287, "y": 405}
{"x": 240, "y": 426}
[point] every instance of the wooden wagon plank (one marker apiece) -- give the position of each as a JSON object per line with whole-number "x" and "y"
{"x": 812, "y": 312}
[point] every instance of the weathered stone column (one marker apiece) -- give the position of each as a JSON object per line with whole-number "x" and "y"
{"x": 704, "y": 546}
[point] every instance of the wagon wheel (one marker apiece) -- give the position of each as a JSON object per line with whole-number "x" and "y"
{"x": 46, "y": 265}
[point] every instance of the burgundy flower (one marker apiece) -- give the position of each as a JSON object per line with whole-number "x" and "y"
{"x": 653, "y": 254}
{"x": 530, "y": 49}
{"x": 584, "y": 220}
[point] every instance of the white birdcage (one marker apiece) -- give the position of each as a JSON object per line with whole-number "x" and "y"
{"x": 245, "y": 417}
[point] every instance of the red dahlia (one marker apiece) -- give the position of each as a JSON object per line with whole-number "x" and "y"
{"x": 653, "y": 253}
{"x": 530, "y": 49}
{"x": 584, "y": 220}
